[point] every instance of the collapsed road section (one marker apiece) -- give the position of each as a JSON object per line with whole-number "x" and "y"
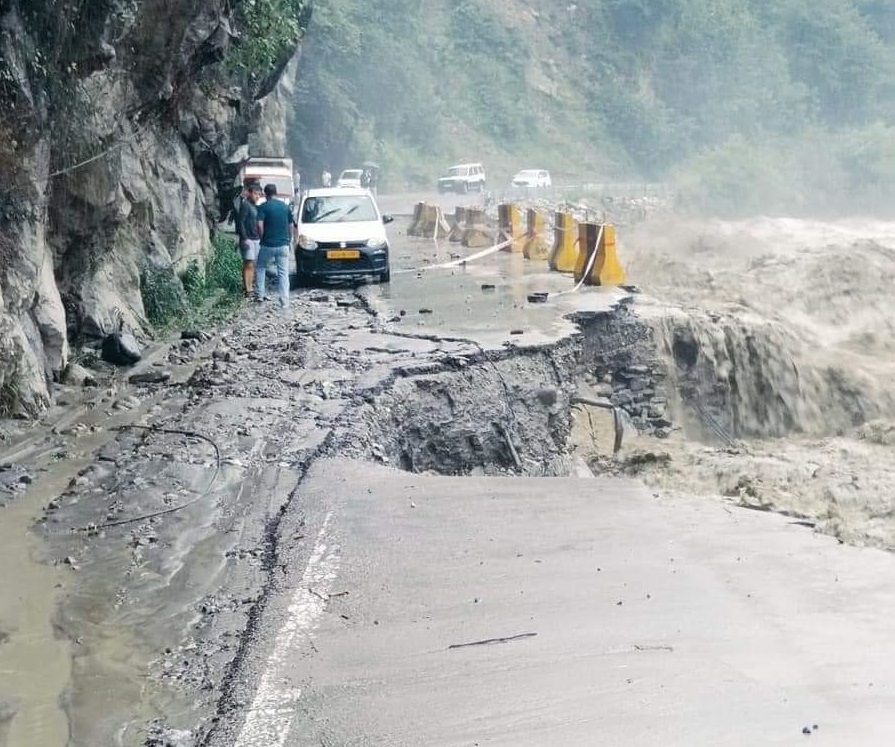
{"x": 173, "y": 514}
{"x": 161, "y": 503}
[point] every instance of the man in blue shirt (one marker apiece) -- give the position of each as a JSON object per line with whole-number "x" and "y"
{"x": 275, "y": 226}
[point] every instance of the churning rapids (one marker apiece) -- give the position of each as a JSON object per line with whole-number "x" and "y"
{"x": 779, "y": 339}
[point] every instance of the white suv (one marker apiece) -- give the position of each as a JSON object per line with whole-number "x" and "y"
{"x": 462, "y": 178}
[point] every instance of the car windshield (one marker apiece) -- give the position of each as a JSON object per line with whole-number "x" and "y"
{"x": 527, "y": 174}
{"x": 338, "y": 209}
{"x": 458, "y": 171}
{"x": 350, "y": 175}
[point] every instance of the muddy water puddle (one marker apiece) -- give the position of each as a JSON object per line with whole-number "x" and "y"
{"x": 38, "y": 659}
{"x": 35, "y": 664}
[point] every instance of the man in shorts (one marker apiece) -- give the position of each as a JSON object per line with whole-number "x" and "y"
{"x": 249, "y": 239}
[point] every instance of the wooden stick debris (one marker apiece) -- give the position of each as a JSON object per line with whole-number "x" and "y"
{"x": 493, "y": 641}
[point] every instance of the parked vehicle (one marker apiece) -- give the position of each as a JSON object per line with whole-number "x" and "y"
{"x": 275, "y": 170}
{"x": 341, "y": 235}
{"x": 532, "y": 179}
{"x": 462, "y": 178}
{"x": 350, "y": 178}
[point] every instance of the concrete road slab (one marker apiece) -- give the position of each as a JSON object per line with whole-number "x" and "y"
{"x": 629, "y": 619}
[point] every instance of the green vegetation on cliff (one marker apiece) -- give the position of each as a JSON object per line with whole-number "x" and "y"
{"x": 744, "y": 104}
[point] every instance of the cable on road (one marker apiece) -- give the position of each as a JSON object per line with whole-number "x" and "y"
{"x": 173, "y": 509}
{"x": 458, "y": 262}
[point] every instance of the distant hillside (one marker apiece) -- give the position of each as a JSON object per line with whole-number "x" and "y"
{"x": 745, "y": 104}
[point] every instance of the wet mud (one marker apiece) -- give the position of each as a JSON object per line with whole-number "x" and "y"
{"x": 776, "y": 338}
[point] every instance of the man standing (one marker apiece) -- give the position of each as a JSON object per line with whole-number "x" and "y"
{"x": 247, "y": 230}
{"x": 326, "y": 179}
{"x": 275, "y": 227}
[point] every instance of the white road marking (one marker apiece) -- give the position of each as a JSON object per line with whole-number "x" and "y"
{"x": 270, "y": 716}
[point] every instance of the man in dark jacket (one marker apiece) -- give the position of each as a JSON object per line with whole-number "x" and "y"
{"x": 275, "y": 224}
{"x": 249, "y": 240}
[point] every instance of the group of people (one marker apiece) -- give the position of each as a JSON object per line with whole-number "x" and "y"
{"x": 265, "y": 233}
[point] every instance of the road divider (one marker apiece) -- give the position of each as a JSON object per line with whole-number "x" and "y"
{"x": 535, "y": 246}
{"x": 564, "y": 256}
{"x": 509, "y": 223}
{"x": 428, "y": 222}
{"x": 591, "y": 256}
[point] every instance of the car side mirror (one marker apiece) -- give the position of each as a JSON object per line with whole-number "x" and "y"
{"x": 388, "y": 218}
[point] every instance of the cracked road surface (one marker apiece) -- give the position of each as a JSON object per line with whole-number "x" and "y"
{"x": 292, "y": 586}
{"x": 638, "y": 620}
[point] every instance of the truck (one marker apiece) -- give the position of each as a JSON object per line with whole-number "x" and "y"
{"x": 277, "y": 170}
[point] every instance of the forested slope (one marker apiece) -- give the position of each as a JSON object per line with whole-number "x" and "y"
{"x": 744, "y": 104}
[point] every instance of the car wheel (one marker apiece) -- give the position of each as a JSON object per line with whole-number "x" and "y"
{"x": 386, "y": 277}
{"x": 301, "y": 280}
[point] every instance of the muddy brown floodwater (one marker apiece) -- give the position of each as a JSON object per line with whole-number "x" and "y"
{"x": 778, "y": 336}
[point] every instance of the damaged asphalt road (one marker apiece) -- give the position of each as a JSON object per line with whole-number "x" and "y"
{"x": 162, "y": 502}
{"x": 280, "y": 543}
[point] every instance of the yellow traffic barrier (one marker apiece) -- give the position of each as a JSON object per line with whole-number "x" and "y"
{"x": 605, "y": 268}
{"x": 477, "y": 233}
{"x": 534, "y": 246}
{"x": 510, "y": 227}
{"x": 430, "y": 223}
{"x": 415, "y": 222}
{"x": 564, "y": 255}
{"x": 588, "y": 238}
{"x": 458, "y": 224}
{"x": 608, "y": 269}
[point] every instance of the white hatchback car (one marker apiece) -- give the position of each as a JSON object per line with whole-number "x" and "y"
{"x": 350, "y": 178}
{"x": 533, "y": 179}
{"x": 341, "y": 235}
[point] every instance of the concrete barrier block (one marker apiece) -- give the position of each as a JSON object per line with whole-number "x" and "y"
{"x": 564, "y": 255}
{"x": 535, "y": 246}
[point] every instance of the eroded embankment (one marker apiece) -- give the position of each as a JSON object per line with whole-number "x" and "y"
{"x": 775, "y": 338}
{"x": 230, "y": 440}
{"x": 162, "y": 529}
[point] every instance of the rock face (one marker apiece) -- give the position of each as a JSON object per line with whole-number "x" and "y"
{"x": 119, "y": 122}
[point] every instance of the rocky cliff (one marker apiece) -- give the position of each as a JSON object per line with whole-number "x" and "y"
{"x": 119, "y": 122}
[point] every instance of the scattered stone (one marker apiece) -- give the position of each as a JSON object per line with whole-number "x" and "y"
{"x": 547, "y": 396}
{"x": 126, "y": 403}
{"x": 76, "y": 375}
{"x": 150, "y": 377}
{"x": 425, "y": 311}
{"x": 121, "y": 349}
{"x": 517, "y": 331}
{"x": 195, "y": 334}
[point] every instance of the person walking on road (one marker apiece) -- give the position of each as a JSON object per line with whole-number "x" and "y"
{"x": 275, "y": 226}
{"x": 249, "y": 239}
{"x": 326, "y": 179}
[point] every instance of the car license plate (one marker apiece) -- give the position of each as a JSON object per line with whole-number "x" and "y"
{"x": 343, "y": 254}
